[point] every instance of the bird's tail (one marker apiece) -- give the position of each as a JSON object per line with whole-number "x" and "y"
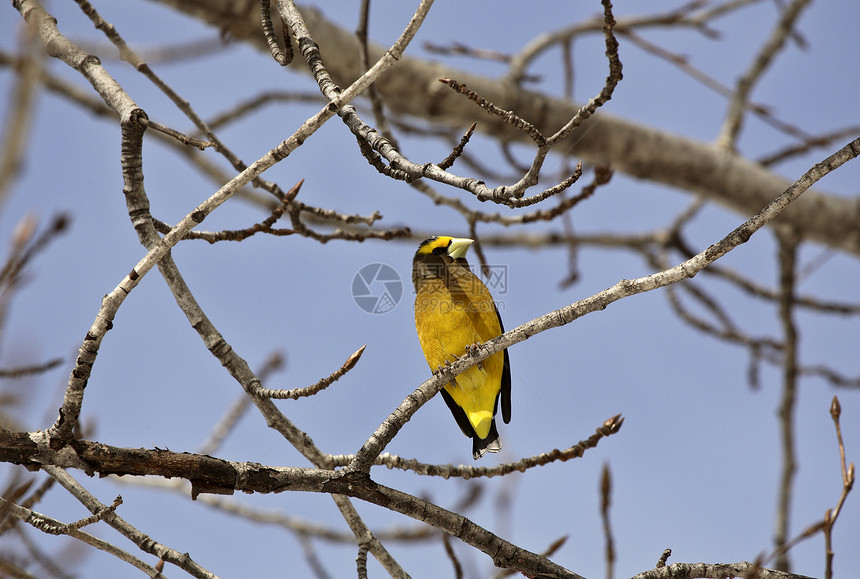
{"x": 481, "y": 446}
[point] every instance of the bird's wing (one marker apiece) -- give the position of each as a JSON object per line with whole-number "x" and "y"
{"x": 505, "y": 391}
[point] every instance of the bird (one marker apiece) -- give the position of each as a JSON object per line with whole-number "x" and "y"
{"x": 454, "y": 311}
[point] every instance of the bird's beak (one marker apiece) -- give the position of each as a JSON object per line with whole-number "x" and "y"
{"x": 459, "y": 246}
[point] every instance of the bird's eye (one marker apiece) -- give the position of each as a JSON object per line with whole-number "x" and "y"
{"x": 439, "y": 250}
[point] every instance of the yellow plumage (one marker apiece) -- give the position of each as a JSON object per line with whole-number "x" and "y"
{"x": 454, "y": 311}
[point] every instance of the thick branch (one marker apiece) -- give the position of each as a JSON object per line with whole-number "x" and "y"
{"x": 715, "y": 571}
{"x": 206, "y": 473}
{"x": 209, "y": 474}
{"x": 214, "y": 475}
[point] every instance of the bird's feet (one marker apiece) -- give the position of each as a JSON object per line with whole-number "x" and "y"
{"x": 470, "y": 349}
{"x": 443, "y": 367}
{"x": 467, "y": 352}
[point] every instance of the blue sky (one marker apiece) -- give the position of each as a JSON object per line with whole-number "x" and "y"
{"x": 696, "y": 465}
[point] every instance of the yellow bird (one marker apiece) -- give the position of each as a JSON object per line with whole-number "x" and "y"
{"x": 453, "y": 312}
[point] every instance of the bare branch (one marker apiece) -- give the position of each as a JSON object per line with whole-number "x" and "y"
{"x": 212, "y": 475}
{"x": 184, "y": 139}
{"x": 458, "y": 150}
{"x": 787, "y": 273}
{"x": 376, "y": 103}
{"x": 631, "y": 148}
{"x": 460, "y": 49}
{"x": 452, "y": 556}
{"x": 605, "y": 502}
{"x": 508, "y": 117}
{"x": 847, "y": 484}
{"x": 282, "y": 57}
{"x": 19, "y": 114}
{"x": 296, "y": 393}
{"x": 21, "y": 371}
{"x": 715, "y": 571}
{"x": 361, "y": 562}
{"x": 762, "y": 112}
{"x": 143, "y": 542}
{"x": 608, "y": 428}
{"x": 52, "y": 526}
{"x": 734, "y": 118}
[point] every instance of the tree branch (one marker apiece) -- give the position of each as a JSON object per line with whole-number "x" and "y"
{"x": 715, "y": 571}
{"x": 213, "y": 475}
{"x": 639, "y": 151}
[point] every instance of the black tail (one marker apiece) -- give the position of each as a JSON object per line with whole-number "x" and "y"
{"x": 481, "y": 446}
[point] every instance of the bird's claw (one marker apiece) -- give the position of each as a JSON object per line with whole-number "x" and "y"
{"x": 442, "y": 367}
{"x": 470, "y": 350}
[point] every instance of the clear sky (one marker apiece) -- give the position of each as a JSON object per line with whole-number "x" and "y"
{"x": 696, "y": 465}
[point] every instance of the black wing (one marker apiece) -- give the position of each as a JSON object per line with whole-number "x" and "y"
{"x": 459, "y": 414}
{"x": 505, "y": 392}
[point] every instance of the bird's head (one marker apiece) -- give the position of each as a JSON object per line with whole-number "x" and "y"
{"x": 453, "y": 247}
{"x": 436, "y": 255}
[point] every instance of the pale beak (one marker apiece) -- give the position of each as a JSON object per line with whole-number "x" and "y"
{"x": 459, "y": 246}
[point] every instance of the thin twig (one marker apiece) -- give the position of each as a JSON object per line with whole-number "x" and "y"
{"x": 508, "y": 117}
{"x": 605, "y": 502}
{"x": 452, "y": 556}
{"x": 182, "y": 138}
{"x": 21, "y": 371}
{"x": 685, "y": 16}
{"x": 19, "y": 112}
{"x": 823, "y": 140}
{"x": 312, "y": 558}
{"x": 460, "y": 49}
{"x": 788, "y": 242}
{"x": 143, "y": 542}
{"x": 458, "y": 150}
{"x": 847, "y": 484}
{"x": 281, "y": 57}
{"x": 53, "y": 526}
{"x": 361, "y": 562}
{"x": 296, "y": 393}
{"x": 779, "y": 36}
{"x": 391, "y": 461}
{"x": 825, "y": 525}
{"x": 612, "y": 78}
{"x": 376, "y": 102}
{"x": 243, "y": 107}
{"x": 762, "y": 112}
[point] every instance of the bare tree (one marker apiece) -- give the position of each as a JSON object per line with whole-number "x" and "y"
{"x": 418, "y": 142}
